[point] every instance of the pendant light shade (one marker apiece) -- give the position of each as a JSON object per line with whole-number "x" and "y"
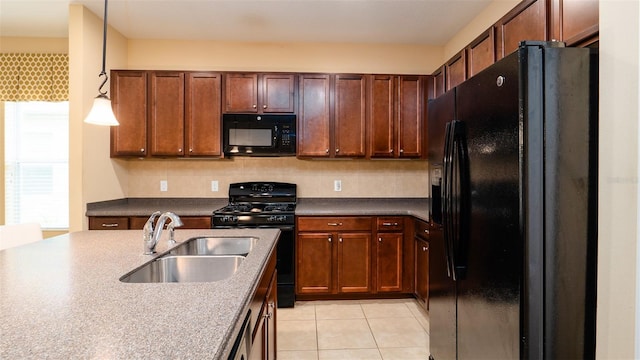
{"x": 101, "y": 112}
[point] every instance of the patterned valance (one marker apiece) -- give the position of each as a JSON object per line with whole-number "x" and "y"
{"x": 34, "y": 77}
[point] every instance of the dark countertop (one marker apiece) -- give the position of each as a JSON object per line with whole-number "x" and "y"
{"x": 417, "y": 207}
{"x": 61, "y": 298}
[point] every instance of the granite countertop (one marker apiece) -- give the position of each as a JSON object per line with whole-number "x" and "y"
{"x": 417, "y": 207}
{"x": 61, "y": 298}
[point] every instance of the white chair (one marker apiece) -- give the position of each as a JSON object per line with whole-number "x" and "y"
{"x": 19, "y": 234}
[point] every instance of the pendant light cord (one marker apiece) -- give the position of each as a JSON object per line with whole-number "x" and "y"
{"x": 104, "y": 52}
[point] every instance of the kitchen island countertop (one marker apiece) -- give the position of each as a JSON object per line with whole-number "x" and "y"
{"x": 61, "y": 298}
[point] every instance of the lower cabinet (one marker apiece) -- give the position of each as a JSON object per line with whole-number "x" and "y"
{"x": 347, "y": 257}
{"x": 333, "y": 262}
{"x": 264, "y": 336}
{"x": 137, "y": 222}
{"x": 421, "y": 241}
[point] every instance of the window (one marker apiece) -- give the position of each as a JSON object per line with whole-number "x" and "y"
{"x": 37, "y": 163}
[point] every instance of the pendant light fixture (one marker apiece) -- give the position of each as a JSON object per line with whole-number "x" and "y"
{"x": 101, "y": 113}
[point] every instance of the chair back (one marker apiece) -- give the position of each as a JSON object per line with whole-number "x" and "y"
{"x": 19, "y": 234}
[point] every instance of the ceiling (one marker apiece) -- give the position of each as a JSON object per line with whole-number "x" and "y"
{"x": 429, "y": 22}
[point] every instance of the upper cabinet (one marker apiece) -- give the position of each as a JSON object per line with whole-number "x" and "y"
{"x": 166, "y": 113}
{"x": 410, "y": 116}
{"x": 481, "y": 53}
{"x": 129, "y": 103}
{"x": 527, "y": 21}
{"x": 332, "y": 116}
{"x": 575, "y": 21}
{"x": 203, "y": 113}
{"x": 259, "y": 93}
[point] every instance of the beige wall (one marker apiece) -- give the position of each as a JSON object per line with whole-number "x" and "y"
{"x": 93, "y": 175}
{"x": 618, "y": 301}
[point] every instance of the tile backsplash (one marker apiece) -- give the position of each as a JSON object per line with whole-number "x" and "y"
{"x": 315, "y": 178}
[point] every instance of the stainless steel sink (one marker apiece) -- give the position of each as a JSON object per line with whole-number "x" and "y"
{"x": 191, "y": 268}
{"x": 216, "y": 246}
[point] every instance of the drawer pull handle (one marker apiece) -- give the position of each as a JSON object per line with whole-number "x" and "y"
{"x": 110, "y": 225}
{"x": 334, "y": 224}
{"x": 390, "y": 224}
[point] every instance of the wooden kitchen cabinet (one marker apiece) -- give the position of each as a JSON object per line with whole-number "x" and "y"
{"x": 129, "y": 103}
{"x": 203, "y": 113}
{"x": 527, "y": 21}
{"x": 439, "y": 82}
{"x": 396, "y": 108}
{"x": 481, "y": 53}
{"x": 264, "y": 344}
{"x": 421, "y": 240}
{"x": 410, "y": 116}
{"x": 456, "y": 69}
{"x": 350, "y": 116}
{"x": 389, "y": 254}
{"x": 333, "y": 255}
{"x": 575, "y": 21}
{"x": 314, "y": 117}
{"x": 259, "y": 93}
{"x": 137, "y": 222}
{"x": 166, "y": 113}
{"x": 181, "y": 111}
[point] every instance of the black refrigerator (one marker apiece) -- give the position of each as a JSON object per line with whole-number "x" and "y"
{"x": 513, "y": 170}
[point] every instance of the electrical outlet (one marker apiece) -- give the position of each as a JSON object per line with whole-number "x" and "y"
{"x": 214, "y": 185}
{"x": 163, "y": 185}
{"x": 337, "y": 185}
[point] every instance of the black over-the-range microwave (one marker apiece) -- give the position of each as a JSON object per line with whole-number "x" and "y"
{"x": 259, "y": 135}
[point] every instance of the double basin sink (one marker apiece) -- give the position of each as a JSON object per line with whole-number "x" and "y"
{"x": 200, "y": 259}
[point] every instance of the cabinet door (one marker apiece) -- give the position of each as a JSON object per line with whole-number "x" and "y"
{"x": 579, "y": 21}
{"x": 456, "y": 69}
{"x": 166, "y": 116}
{"x": 354, "y": 263}
{"x": 350, "y": 115}
{"x": 241, "y": 93}
{"x": 410, "y": 117}
{"x": 381, "y": 116}
{"x": 527, "y": 21}
{"x": 277, "y": 95}
{"x": 439, "y": 84}
{"x": 203, "y": 118}
{"x": 422, "y": 270}
{"x": 271, "y": 303}
{"x": 481, "y": 52}
{"x": 389, "y": 262}
{"x": 314, "y": 262}
{"x": 314, "y": 116}
{"x": 129, "y": 102}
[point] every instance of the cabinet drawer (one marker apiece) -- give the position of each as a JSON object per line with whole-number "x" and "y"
{"x": 422, "y": 229}
{"x": 108, "y": 223}
{"x": 355, "y": 223}
{"x": 390, "y": 224}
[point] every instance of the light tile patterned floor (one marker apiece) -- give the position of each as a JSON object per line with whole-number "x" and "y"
{"x": 353, "y": 329}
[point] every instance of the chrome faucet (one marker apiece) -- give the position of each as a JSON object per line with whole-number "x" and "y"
{"x": 151, "y": 233}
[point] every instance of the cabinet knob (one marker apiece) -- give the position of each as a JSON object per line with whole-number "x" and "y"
{"x": 425, "y": 248}
{"x": 426, "y": 231}
{"x": 326, "y": 151}
{"x": 264, "y": 106}
{"x": 379, "y": 239}
{"x": 180, "y": 150}
{"x": 142, "y": 150}
{"x": 391, "y": 151}
{"x": 340, "y": 239}
{"x": 401, "y": 151}
{"x": 255, "y": 106}
{"x": 329, "y": 239}
{"x": 337, "y": 150}
{"x": 190, "y": 150}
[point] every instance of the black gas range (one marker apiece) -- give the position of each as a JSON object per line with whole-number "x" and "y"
{"x": 266, "y": 205}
